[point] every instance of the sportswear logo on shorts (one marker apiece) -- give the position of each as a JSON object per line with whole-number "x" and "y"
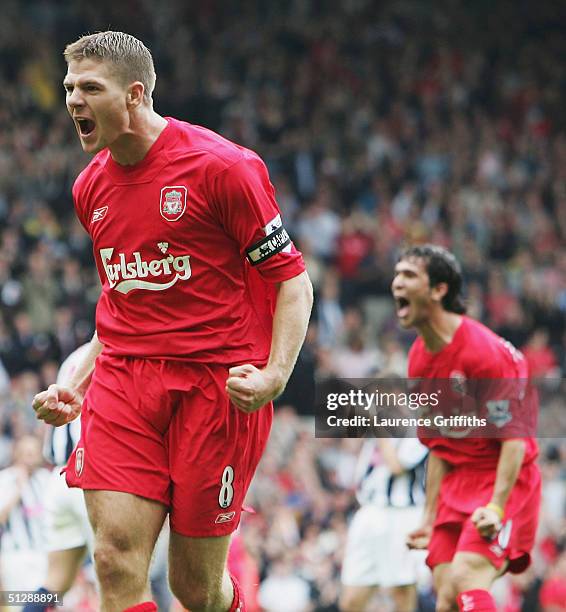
{"x": 79, "y": 461}
{"x": 98, "y": 214}
{"x": 173, "y": 202}
{"x": 496, "y": 550}
{"x": 225, "y": 517}
{"x": 467, "y": 603}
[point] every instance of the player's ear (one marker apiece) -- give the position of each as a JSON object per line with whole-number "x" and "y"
{"x": 439, "y": 291}
{"x": 134, "y": 96}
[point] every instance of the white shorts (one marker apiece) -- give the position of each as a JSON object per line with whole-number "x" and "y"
{"x": 22, "y": 570}
{"x": 66, "y": 515}
{"x": 376, "y": 553}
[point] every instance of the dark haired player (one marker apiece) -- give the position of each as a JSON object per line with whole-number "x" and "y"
{"x": 204, "y": 307}
{"x": 483, "y": 494}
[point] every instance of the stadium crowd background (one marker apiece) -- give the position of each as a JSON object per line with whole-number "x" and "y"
{"x": 382, "y": 124}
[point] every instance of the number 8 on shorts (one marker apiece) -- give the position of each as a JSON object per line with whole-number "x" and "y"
{"x": 226, "y": 490}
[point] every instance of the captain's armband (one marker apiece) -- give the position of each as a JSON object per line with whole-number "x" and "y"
{"x": 269, "y": 246}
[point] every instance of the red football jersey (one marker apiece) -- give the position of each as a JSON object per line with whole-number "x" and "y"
{"x": 477, "y": 353}
{"x": 189, "y": 245}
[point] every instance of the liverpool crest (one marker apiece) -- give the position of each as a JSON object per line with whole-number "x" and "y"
{"x": 173, "y": 202}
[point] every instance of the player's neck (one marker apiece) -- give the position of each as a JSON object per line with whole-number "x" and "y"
{"x": 439, "y": 330}
{"x": 145, "y": 128}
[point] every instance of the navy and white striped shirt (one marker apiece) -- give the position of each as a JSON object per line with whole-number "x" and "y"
{"x": 25, "y": 527}
{"x": 377, "y": 485}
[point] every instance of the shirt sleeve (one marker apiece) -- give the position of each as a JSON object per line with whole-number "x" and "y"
{"x": 79, "y": 204}
{"x": 510, "y": 407}
{"x": 505, "y": 396}
{"x": 247, "y": 210}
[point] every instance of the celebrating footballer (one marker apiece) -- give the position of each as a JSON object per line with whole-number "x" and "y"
{"x": 204, "y": 307}
{"x": 482, "y": 493}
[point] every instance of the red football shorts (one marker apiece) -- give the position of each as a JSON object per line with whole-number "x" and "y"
{"x": 166, "y": 431}
{"x": 454, "y": 531}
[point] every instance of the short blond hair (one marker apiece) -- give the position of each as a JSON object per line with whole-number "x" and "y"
{"x": 130, "y": 56}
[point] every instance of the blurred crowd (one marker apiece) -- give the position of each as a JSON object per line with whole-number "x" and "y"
{"x": 382, "y": 124}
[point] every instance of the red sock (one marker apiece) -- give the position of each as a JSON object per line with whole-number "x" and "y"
{"x": 146, "y": 606}
{"x": 477, "y": 600}
{"x": 238, "y": 601}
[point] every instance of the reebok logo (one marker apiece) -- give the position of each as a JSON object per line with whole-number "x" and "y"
{"x": 467, "y": 603}
{"x": 124, "y": 276}
{"x": 98, "y": 214}
{"x": 225, "y": 517}
{"x": 496, "y": 550}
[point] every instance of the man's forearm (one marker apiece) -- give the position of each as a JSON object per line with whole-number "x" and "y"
{"x": 508, "y": 468}
{"x": 291, "y": 318}
{"x": 435, "y": 472}
{"x": 80, "y": 379}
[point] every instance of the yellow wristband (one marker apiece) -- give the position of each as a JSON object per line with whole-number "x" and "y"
{"x": 497, "y": 509}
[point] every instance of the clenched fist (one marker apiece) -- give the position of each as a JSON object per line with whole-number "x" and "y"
{"x": 57, "y": 406}
{"x": 487, "y": 522}
{"x": 419, "y": 539}
{"x": 250, "y": 388}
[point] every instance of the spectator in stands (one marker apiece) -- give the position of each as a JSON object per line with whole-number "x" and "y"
{"x": 23, "y": 556}
{"x": 540, "y": 357}
{"x": 284, "y": 590}
{"x": 553, "y": 591}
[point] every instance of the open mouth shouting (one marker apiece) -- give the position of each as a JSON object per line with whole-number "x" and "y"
{"x": 403, "y": 306}
{"x": 85, "y": 126}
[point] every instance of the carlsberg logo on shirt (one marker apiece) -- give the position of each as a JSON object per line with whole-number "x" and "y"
{"x": 127, "y": 275}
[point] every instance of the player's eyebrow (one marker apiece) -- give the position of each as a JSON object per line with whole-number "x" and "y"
{"x": 79, "y": 83}
{"x": 407, "y": 270}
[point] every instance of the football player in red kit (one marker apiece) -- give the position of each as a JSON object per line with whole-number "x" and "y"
{"x": 204, "y": 307}
{"x": 483, "y": 493}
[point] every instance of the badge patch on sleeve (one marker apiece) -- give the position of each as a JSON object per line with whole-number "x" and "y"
{"x": 273, "y": 243}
